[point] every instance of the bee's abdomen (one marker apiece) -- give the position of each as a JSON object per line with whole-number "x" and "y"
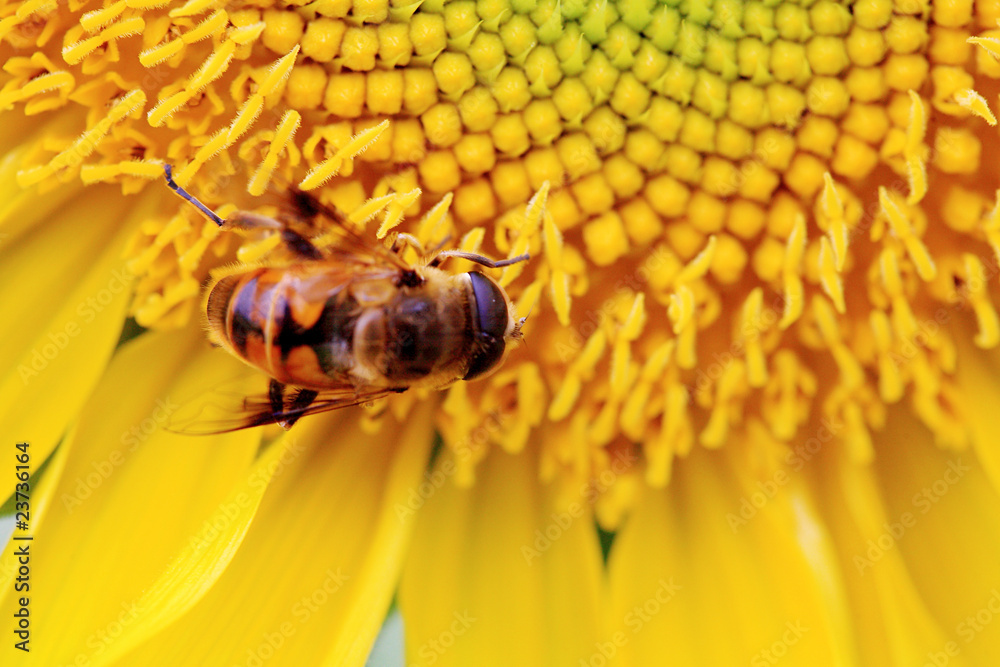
{"x": 269, "y": 324}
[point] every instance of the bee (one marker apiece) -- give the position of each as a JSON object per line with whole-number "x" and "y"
{"x": 346, "y": 323}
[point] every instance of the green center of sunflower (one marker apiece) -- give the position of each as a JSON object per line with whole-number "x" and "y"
{"x": 744, "y": 217}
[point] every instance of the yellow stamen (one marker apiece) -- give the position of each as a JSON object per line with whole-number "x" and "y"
{"x": 282, "y": 137}
{"x": 903, "y": 230}
{"x": 976, "y": 104}
{"x": 986, "y": 315}
{"x": 752, "y": 327}
{"x": 74, "y": 54}
{"x": 832, "y": 208}
{"x": 329, "y": 167}
{"x": 794, "y": 291}
{"x": 74, "y": 155}
{"x": 394, "y": 214}
{"x": 829, "y": 278}
{"x": 914, "y": 150}
{"x": 99, "y": 18}
{"x": 890, "y": 383}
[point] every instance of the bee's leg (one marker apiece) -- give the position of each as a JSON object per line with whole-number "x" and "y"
{"x": 302, "y": 400}
{"x": 185, "y": 195}
{"x": 478, "y": 259}
{"x": 297, "y": 244}
{"x": 403, "y": 239}
{"x": 276, "y": 395}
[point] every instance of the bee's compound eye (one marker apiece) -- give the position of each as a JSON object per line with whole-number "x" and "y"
{"x": 491, "y": 322}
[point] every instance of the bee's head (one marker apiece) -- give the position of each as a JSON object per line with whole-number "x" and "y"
{"x": 492, "y": 323}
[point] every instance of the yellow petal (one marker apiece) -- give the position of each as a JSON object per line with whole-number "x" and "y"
{"x": 130, "y": 497}
{"x": 978, "y": 376}
{"x": 726, "y": 568}
{"x": 56, "y": 347}
{"x": 893, "y": 623}
{"x": 500, "y": 573}
{"x": 944, "y": 519}
{"x": 314, "y": 576}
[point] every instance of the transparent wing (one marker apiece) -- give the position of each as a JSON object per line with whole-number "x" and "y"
{"x": 246, "y": 402}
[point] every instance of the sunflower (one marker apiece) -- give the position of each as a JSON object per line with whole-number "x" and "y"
{"x": 752, "y": 419}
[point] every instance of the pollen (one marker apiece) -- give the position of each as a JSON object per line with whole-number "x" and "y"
{"x": 786, "y": 188}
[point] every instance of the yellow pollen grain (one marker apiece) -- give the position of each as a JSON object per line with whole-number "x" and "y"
{"x": 428, "y": 36}
{"x": 322, "y": 38}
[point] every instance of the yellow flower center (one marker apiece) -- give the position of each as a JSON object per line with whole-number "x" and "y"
{"x": 745, "y": 217}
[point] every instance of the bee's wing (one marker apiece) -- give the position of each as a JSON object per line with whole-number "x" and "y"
{"x": 229, "y": 406}
{"x": 345, "y": 244}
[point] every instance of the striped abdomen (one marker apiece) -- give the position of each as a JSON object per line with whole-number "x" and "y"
{"x": 295, "y": 326}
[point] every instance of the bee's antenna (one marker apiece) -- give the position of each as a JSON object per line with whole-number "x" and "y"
{"x": 478, "y": 259}
{"x": 183, "y": 194}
